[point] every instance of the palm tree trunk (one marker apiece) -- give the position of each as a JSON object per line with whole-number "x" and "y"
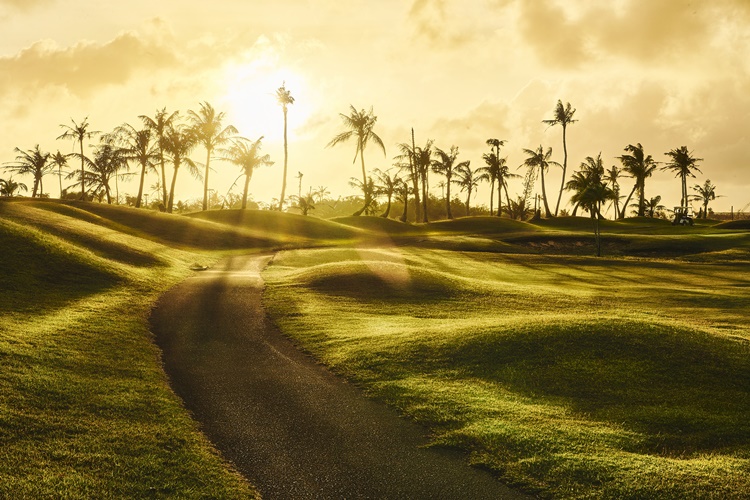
{"x": 83, "y": 170}
{"x": 163, "y": 177}
{"x": 468, "y": 198}
{"x": 140, "y": 187}
{"x": 244, "y": 190}
{"x": 565, "y": 167}
{"x": 286, "y": 157}
{"x": 415, "y": 177}
{"x": 406, "y": 206}
{"x": 171, "y": 189}
{"x": 448, "y": 197}
{"x": 627, "y": 200}
{"x": 544, "y": 196}
{"x": 205, "y": 182}
{"x": 59, "y": 177}
{"x": 387, "y": 209}
{"x": 499, "y": 198}
{"x": 364, "y": 180}
{"x": 492, "y": 196}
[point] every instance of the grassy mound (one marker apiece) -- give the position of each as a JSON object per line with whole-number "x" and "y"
{"x": 280, "y": 225}
{"x": 743, "y": 224}
{"x": 379, "y": 225}
{"x": 573, "y": 376}
{"x": 85, "y": 407}
{"x": 481, "y": 225}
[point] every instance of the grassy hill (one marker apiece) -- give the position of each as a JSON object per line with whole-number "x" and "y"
{"x": 555, "y": 369}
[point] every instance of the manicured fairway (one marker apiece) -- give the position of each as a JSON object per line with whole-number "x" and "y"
{"x": 625, "y": 378}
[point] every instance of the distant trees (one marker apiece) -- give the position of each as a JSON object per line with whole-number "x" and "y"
{"x": 468, "y": 181}
{"x": 446, "y": 165}
{"x": 78, "y": 132}
{"x": 206, "y": 125}
{"x": 360, "y": 125}
{"x": 137, "y": 146}
{"x": 159, "y": 126}
{"x": 246, "y": 155}
{"x": 540, "y": 160}
{"x": 683, "y": 164}
{"x": 35, "y": 162}
{"x": 8, "y": 187}
{"x": 705, "y": 194}
{"x": 563, "y": 116}
{"x": 590, "y": 192}
{"x": 284, "y": 98}
{"x": 178, "y": 144}
{"x": 639, "y": 166}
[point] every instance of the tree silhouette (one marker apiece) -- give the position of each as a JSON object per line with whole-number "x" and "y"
{"x": 35, "y": 162}
{"x": 613, "y": 175}
{"x": 137, "y": 146}
{"x": 369, "y": 190}
{"x": 206, "y": 125}
{"x": 539, "y": 159}
{"x": 388, "y": 185}
{"x": 360, "y": 125}
{"x": 178, "y": 143}
{"x": 246, "y": 155}
{"x": 78, "y": 132}
{"x": 683, "y": 164}
{"x": 705, "y": 194}
{"x": 563, "y": 116}
{"x": 639, "y": 166}
{"x": 59, "y": 160}
{"x": 159, "y": 126}
{"x": 446, "y": 165}
{"x": 467, "y": 180}
{"x": 494, "y": 166}
{"x": 8, "y": 187}
{"x": 653, "y": 206}
{"x": 284, "y": 98}
{"x": 592, "y": 193}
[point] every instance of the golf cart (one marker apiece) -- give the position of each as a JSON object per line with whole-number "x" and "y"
{"x": 683, "y": 216}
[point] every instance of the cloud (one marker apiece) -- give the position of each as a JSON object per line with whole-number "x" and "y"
{"x": 23, "y": 5}
{"x": 648, "y": 31}
{"x": 85, "y": 66}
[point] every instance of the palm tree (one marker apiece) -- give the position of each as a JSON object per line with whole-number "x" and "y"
{"x": 284, "y": 97}
{"x": 369, "y": 191}
{"x": 493, "y": 165}
{"x": 446, "y": 165}
{"x": 178, "y": 143}
{"x": 305, "y": 203}
{"x": 59, "y": 160}
{"x": 706, "y": 193}
{"x": 78, "y": 132}
{"x": 402, "y": 194}
{"x": 683, "y": 164}
{"x": 321, "y": 193}
{"x": 138, "y": 147}
{"x": 591, "y": 173}
{"x": 467, "y": 180}
{"x": 360, "y": 124}
{"x": 8, "y": 187}
{"x": 408, "y": 158}
{"x": 246, "y": 155}
{"x": 206, "y": 126}
{"x": 653, "y": 206}
{"x": 613, "y": 175}
{"x": 108, "y": 160}
{"x": 34, "y": 162}
{"x": 422, "y": 164}
{"x": 159, "y": 126}
{"x": 490, "y": 172}
{"x": 388, "y": 186}
{"x": 563, "y": 115}
{"x": 539, "y": 159}
{"x": 639, "y": 166}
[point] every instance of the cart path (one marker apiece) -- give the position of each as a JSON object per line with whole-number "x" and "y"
{"x": 289, "y": 425}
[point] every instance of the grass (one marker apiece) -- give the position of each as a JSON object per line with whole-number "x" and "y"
{"x": 623, "y": 377}
{"x": 85, "y": 408}
{"x": 570, "y": 376}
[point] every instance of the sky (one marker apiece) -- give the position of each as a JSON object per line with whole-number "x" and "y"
{"x": 663, "y": 73}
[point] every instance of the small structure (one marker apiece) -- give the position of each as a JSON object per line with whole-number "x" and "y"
{"x": 683, "y": 216}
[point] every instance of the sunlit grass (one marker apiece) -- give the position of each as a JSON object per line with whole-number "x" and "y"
{"x": 569, "y": 375}
{"x": 85, "y": 407}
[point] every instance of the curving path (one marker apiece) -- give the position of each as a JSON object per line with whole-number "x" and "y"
{"x": 291, "y": 427}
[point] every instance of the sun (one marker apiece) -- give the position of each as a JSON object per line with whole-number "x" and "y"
{"x": 250, "y": 100}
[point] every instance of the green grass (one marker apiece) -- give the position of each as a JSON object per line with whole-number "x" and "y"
{"x": 85, "y": 407}
{"x": 571, "y": 376}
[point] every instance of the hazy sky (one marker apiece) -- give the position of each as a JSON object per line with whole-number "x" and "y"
{"x": 665, "y": 73}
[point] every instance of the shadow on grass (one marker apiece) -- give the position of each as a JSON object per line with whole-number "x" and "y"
{"x": 49, "y": 278}
{"x": 684, "y": 391}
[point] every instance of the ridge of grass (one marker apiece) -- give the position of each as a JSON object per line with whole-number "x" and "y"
{"x": 571, "y": 376}
{"x": 85, "y": 407}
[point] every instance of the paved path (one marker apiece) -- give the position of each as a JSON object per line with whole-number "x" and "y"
{"x": 291, "y": 427}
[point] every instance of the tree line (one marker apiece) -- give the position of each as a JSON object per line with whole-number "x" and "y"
{"x": 168, "y": 139}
